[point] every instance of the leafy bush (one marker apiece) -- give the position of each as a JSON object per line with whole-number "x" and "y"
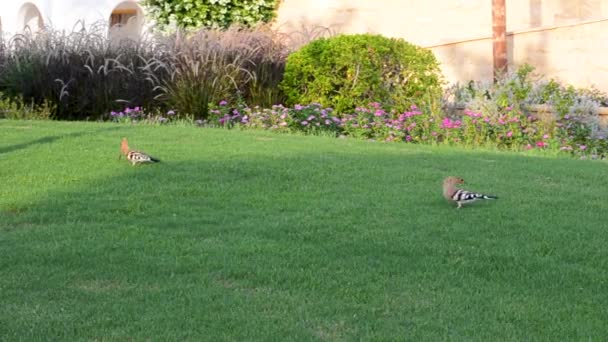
{"x": 19, "y": 110}
{"x": 210, "y": 13}
{"x": 347, "y": 71}
{"x": 521, "y": 89}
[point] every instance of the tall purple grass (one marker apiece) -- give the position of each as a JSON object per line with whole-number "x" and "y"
{"x": 84, "y": 74}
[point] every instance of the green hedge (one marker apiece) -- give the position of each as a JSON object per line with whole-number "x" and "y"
{"x": 347, "y": 71}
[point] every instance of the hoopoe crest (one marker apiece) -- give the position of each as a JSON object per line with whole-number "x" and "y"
{"x": 135, "y": 157}
{"x": 452, "y": 193}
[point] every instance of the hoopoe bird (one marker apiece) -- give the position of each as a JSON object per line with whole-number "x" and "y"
{"x": 135, "y": 157}
{"x": 453, "y": 194}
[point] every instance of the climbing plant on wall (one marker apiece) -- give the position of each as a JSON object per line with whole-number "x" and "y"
{"x": 210, "y": 13}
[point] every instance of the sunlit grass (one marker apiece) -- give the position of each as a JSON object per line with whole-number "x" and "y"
{"x": 259, "y": 236}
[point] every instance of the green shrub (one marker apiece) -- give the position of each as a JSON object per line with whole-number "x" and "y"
{"x": 210, "y": 13}
{"x": 347, "y": 71}
{"x": 16, "y": 109}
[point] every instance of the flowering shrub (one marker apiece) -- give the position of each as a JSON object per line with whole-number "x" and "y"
{"x": 308, "y": 119}
{"x": 508, "y": 129}
{"x": 138, "y": 114}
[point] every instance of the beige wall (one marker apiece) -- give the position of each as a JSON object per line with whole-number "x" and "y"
{"x": 565, "y": 39}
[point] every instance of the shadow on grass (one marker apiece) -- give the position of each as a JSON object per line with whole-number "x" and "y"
{"x": 51, "y": 139}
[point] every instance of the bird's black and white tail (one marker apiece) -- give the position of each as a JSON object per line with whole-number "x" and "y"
{"x": 139, "y": 157}
{"x": 462, "y": 196}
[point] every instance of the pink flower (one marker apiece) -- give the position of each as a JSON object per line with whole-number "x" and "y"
{"x": 304, "y": 123}
{"x": 509, "y": 134}
{"x": 223, "y": 103}
{"x": 528, "y": 147}
{"x": 486, "y": 120}
{"x": 408, "y": 138}
{"x": 310, "y": 118}
{"x": 546, "y": 136}
{"x": 583, "y": 147}
{"x": 379, "y": 112}
{"x": 541, "y": 144}
{"x": 283, "y": 124}
{"x": 327, "y": 122}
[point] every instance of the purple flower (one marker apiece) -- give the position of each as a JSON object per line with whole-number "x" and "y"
{"x": 408, "y": 138}
{"x": 379, "y": 112}
{"x": 128, "y": 110}
{"x": 162, "y": 119}
{"x": 223, "y": 103}
{"x": 137, "y": 109}
{"x": 310, "y": 118}
{"x": 583, "y": 147}
{"x": 171, "y": 112}
{"x": 298, "y": 107}
{"x": 113, "y": 113}
{"x": 304, "y": 123}
{"x": 327, "y": 122}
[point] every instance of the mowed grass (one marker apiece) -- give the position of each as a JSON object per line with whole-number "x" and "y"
{"x": 258, "y": 236}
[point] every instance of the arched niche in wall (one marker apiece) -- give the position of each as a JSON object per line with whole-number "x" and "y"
{"x": 126, "y": 21}
{"x": 29, "y": 18}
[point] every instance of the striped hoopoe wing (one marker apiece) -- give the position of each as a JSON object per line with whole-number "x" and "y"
{"x": 138, "y": 157}
{"x": 464, "y": 196}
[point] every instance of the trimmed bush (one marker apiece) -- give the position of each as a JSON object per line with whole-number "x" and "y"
{"x": 348, "y": 71}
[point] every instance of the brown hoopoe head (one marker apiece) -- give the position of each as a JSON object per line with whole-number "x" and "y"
{"x": 124, "y": 146}
{"x": 452, "y": 181}
{"x": 449, "y": 186}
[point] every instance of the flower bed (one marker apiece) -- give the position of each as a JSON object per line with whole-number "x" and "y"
{"x": 511, "y": 129}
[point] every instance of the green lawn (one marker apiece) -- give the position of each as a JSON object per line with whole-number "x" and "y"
{"x": 256, "y": 236}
